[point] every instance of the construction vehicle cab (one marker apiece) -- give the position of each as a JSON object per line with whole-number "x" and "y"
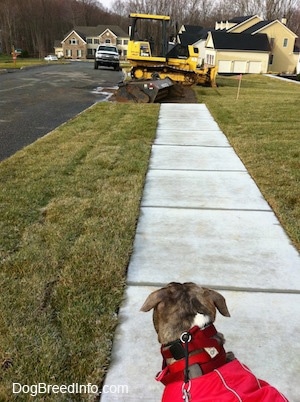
{"x": 139, "y": 49}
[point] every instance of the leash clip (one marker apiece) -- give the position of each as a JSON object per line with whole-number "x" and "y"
{"x": 185, "y": 337}
{"x": 186, "y": 387}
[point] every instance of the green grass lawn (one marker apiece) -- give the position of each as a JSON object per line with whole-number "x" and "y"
{"x": 69, "y": 205}
{"x": 6, "y": 62}
{"x": 263, "y": 126}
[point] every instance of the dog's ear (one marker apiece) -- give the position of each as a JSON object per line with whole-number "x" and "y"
{"x": 220, "y": 302}
{"x": 152, "y": 300}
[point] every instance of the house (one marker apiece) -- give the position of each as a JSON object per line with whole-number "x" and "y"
{"x": 281, "y": 39}
{"x": 82, "y": 41}
{"x": 297, "y": 59}
{"x": 237, "y": 53}
{"x": 58, "y": 49}
{"x": 231, "y": 53}
{"x": 246, "y": 44}
{"x": 194, "y": 35}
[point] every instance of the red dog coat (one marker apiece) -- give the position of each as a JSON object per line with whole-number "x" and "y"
{"x": 232, "y": 382}
{"x": 221, "y": 382}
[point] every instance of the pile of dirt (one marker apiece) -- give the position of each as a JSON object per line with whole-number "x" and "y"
{"x": 178, "y": 94}
{"x": 188, "y": 96}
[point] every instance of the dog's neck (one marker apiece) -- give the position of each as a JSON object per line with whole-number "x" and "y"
{"x": 201, "y": 320}
{"x": 206, "y": 352}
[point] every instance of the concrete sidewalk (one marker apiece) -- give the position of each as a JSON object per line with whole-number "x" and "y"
{"x": 203, "y": 219}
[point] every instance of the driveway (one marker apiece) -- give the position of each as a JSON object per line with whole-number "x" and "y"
{"x": 35, "y": 101}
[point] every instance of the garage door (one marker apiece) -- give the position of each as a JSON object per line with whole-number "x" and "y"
{"x": 224, "y": 66}
{"x": 255, "y": 67}
{"x": 239, "y": 66}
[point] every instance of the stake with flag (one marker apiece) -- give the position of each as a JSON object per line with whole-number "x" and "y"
{"x": 239, "y": 77}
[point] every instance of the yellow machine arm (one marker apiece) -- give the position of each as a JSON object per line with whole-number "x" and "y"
{"x": 150, "y": 16}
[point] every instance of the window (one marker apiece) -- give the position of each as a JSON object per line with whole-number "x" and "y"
{"x": 210, "y": 59}
{"x": 107, "y": 40}
{"x": 271, "y": 59}
{"x": 68, "y": 53}
{"x": 73, "y": 41}
{"x": 96, "y": 41}
{"x": 89, "y": 40}
{"x": 104, "y": 48}
{"x": 285, "y": 42}
{"x": 119, "y": 41}
{"x": 125, "y": 41}
{"x": 79, "y": 53}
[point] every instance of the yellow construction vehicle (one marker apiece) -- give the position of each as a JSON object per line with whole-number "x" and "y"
{"x": 162, "y": 61}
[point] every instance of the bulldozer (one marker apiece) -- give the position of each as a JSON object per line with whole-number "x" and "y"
{"x": 160, "y": 70}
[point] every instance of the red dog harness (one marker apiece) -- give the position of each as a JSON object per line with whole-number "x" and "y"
{"x": 209, "y": 354}
{"x": 231, "y": 382}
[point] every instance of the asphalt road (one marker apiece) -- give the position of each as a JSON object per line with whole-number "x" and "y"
{"x": 34, "y": 101}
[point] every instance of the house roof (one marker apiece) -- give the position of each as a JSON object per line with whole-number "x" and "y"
{"x": 187, "y": 38}
{"x": 239, "y": 20}
{"x": 193, "y": 29}
{"x": 240, "y": 41}
{"x": 87, "y": 31}
{"x": 262, "y": 24}
{"x": 258, "y": 26}
{"x": 80, "y": 34}
{"x": 57, "y": 43}
{"x": 99, "y": 29}
{"x": 192, "y": 34}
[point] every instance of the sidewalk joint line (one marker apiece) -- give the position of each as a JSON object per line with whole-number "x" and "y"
{"x": 221, "y": 288}
{"x": 199, "y": 170}
{"x": 192, "y": 145}
{"x": 206, "y": 208}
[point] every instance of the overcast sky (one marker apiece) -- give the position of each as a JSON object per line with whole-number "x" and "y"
{"x": 106, "y": 3}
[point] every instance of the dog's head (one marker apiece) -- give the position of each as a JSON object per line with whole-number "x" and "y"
{"x": 180, "y": 306}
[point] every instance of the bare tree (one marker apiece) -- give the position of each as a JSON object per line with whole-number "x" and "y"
{"x": 33, "y": 25}
{"x": 8, "y": 13}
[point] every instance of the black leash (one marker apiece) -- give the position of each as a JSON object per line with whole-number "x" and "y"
{"x": 185, "y": 339}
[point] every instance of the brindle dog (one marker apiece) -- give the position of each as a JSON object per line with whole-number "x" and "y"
{"x": 199, "y": 369}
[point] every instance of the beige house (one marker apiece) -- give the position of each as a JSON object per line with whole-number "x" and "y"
{"x": 82, "y": 41}
{"x": 297, "y": 59}
{"x": 282, "y": 57}
{"x": 237, "y": 53}
{"x": 58, "y": 49}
